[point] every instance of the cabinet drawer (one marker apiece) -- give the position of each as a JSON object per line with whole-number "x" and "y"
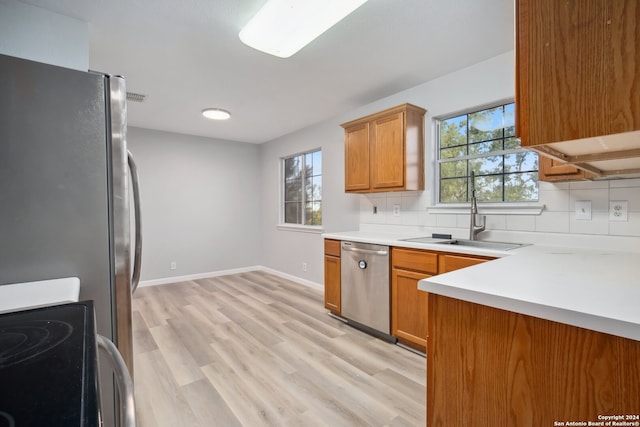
{"x": 456, "y": 262}
{"x": 416, "y": 260}
{"x": 332, "y": 247}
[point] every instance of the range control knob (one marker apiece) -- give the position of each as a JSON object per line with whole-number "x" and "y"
{"x": 362, "y": 264}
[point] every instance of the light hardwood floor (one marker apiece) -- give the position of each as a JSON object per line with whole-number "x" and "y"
{"x": 254, "y": 349}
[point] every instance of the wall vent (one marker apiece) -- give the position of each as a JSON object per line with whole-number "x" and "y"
{"x": 136, "y": 97}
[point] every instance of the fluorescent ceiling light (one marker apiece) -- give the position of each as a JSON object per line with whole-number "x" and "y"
{"x": 283, "y": 27}
{"x": 216, "y": 114}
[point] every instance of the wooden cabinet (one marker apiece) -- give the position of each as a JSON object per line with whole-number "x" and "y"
{"x": 577, "y": 74}
{"x": 408, "y": 304}
{"x": 332, "y": 276}
{"x": 553, "y": 170}
{"x": 451, "y": 262}
{"x": 494, "y": 367}
{"x": 577, "y": 69}
{"x": 385, "y": 151}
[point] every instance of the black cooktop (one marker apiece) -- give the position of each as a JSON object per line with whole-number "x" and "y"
{"x": 48, "y": 367}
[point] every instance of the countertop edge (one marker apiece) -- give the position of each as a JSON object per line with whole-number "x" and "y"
{"x": 592, "y": 322}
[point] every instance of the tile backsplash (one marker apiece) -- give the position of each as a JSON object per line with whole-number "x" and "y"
{"x": 558, "y": 215}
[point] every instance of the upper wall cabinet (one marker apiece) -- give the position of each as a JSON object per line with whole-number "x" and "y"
{"x": 578, "y": 78}
{"x": 385, "y": 151}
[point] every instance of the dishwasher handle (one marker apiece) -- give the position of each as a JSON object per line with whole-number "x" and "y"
{"x": 366, "y": 251}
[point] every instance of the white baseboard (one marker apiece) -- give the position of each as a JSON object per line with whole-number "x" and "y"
{"x": 293, "y": 278}
{"x": 176, "y": 279}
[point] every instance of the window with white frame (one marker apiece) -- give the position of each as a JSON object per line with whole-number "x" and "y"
{"x": 302, "y": 188}
{"x": 484, "y": 141}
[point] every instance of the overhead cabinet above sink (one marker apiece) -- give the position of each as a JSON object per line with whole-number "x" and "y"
{"x": 385, "y": 151}
{"x": 578, "y": 86}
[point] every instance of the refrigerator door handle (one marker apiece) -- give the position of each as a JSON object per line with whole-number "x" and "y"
{"x": 123, "y": 380}
{"x": 137, "y": 254}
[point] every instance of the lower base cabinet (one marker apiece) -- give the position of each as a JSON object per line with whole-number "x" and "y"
{"x": 492, "y": 367}
{"x": 409, "y": 309}
{"x": 332, "y": 288}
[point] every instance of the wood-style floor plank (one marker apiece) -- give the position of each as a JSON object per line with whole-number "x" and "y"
{"x": 254, "y": 349}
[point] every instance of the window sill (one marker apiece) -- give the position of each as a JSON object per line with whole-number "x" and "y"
{"x": 300, "y": 228}
{"x": 489, "y": 209}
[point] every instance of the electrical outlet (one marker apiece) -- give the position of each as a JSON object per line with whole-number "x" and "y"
{"x": 304, "y": 266}
{"x": 174, "y": 265}
{"x": 396, "y": 210}
{"x": 618, "y": 210}
{"x": 375, "y": 210}
{"x": 583, "y": 210}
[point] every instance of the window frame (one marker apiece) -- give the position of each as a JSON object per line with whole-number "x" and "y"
{"x": 514, "y": 207}
{"x": 281, "y": 221}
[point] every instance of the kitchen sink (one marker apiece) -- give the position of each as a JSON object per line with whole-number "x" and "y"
{"x": 484, "y": 244}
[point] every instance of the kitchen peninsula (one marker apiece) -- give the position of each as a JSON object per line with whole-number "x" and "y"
{"x": 542, "y": 338}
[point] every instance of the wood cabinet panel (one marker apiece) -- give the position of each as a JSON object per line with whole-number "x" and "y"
{"x": 417, "y": 260}
{"x": 494, "y": 367}
{"x": 408, "y": 308}
{"x": 332, "y": 247}
{"x": 332, "y": 278}
{"x": 553, "y": 170}
{"x": 450, "y": 262}
{"x": 385, "y": 151}
{"x": 332, "y": 287}
{"x": 577, "y": 69}
{"x": 356, "y": 157}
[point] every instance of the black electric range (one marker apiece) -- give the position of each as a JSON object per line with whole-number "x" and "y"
{"x": 48, "y": 367}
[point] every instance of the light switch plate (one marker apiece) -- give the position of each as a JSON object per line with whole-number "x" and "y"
{"x": 583, "y": 210}
{"x": 618, "y": 210}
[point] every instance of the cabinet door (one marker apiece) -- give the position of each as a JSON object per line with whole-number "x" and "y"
{"x": 552, "y": 170}
{"x": 387, "y": 152}
{"x": 356, "y": 158}
{"x": 332, "y": 284}
{"x": 576, "y": 69}
{"x": 408, "y": 308}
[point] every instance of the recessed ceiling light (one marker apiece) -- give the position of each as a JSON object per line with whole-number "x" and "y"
{"x": 216, "y": 114}
{"x": 283, "y": 27}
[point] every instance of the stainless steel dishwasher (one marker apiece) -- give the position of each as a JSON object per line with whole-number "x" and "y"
{"x": 364, "y": 277}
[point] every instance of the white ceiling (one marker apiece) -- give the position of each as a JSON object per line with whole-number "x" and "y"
{"x": 186, "y": 56}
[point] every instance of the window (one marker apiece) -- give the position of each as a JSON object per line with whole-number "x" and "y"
{"x": 303, "y": 188}
{"x": 484, "y": 142}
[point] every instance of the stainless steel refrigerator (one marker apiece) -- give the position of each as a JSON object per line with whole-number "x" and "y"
{"x": 66, "y": 191}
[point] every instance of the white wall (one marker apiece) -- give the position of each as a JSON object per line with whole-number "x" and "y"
{"x": 200, "y": 207}
{"x": 33, "y": 33}
{"x": 286, "y": 250}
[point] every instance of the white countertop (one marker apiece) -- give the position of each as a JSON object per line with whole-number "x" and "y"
{"x": 592, "y": 289}
{"x": 22, "y": 296}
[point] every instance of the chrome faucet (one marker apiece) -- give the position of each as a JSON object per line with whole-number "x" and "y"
{"x": 475, "y": 229}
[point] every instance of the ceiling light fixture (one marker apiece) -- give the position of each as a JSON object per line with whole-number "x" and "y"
{"x": 216, "y": 114}
{"x": 283, "y": 27}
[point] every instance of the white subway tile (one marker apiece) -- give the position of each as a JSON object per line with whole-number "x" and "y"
{"x": 588, "y": 185}
{"x": 445, "y": 220}
{"x": 555, "y": 201}
{"x": 626, "y": 228}
{"x": 622, "y": 183}
{"x": 496, "y": 222}
{"x": 631, "y": 194}
{"x": 552, "y": 186}
{"x": 599, "y": 224}
{"x": 553, "y": 222}
{"x": 521, "y": 223}
{"x": 599, "y": 199}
